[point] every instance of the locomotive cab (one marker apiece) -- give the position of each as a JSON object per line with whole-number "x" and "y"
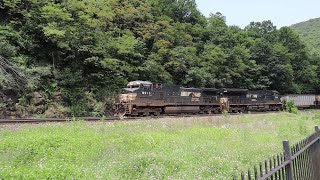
{"x": 136, "y": 96}
{"x": 134, "y": 88}
{"x": 136, "y": 85}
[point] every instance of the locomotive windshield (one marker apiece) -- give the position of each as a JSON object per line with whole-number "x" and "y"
{"x": 139, "y": 84}
{"x": 133, "y": 86}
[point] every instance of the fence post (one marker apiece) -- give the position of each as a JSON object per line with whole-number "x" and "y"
{"x": 287, "y": 157}
{"x": 316, "y": 153}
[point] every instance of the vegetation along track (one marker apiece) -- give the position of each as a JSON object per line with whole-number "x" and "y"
{"x": 112, "y": 118}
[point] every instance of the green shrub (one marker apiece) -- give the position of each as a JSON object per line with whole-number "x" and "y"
{"x": 2, "y": 105}
{"x": 98, "y": 109}
{"x": 290, "y": 107}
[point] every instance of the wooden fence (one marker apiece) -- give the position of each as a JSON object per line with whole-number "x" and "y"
{"x": 300, "y": 161}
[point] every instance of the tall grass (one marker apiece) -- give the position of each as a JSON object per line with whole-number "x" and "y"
{"x": 206, "y": 148}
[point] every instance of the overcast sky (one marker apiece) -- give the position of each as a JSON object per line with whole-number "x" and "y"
{"x": 280, "y": 12}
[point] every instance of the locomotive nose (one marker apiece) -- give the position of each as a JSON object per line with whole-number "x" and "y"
{"x": 124, "y": 98}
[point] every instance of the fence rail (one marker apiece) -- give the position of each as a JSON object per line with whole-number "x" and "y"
{"x": 300, "y": 161}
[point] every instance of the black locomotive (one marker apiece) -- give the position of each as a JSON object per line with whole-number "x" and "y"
{"x": 146, "y": 98}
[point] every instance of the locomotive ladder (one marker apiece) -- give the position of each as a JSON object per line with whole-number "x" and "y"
{"x": 127, "y": 108}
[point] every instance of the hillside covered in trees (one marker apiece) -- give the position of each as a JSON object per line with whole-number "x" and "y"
{"x": 309, "y": 32}
{"x": 84, "y": 51}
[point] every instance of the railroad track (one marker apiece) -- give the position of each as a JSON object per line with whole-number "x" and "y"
{"x": 41, "y": 120}
{"x": 44, "y": 120}
{"x": 68, "y": 119}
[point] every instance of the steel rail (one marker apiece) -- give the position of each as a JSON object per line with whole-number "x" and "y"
{"x": 41, "y": 120}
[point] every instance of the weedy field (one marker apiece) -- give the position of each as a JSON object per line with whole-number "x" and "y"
{"x": 186, "y": 148}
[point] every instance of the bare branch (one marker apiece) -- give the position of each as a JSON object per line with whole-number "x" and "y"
{"x": 11, "y": 75}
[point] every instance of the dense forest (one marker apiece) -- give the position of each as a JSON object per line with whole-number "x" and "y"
{"x": 76, "y": 54}
{"x": 309, "y": 33}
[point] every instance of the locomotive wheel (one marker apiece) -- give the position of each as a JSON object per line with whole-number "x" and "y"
{"x": 120, "y": 113}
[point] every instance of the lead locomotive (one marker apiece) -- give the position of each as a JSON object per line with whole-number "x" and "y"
{"x": 146, "y": 98}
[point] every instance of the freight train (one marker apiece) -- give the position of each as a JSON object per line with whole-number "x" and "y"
{"x": 143, "y": 98}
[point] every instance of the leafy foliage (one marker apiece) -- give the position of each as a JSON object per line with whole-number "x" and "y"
{"x": 290, "y": 107}
{"x": 97, "y": 46}
{"x": 309, "y": 32}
